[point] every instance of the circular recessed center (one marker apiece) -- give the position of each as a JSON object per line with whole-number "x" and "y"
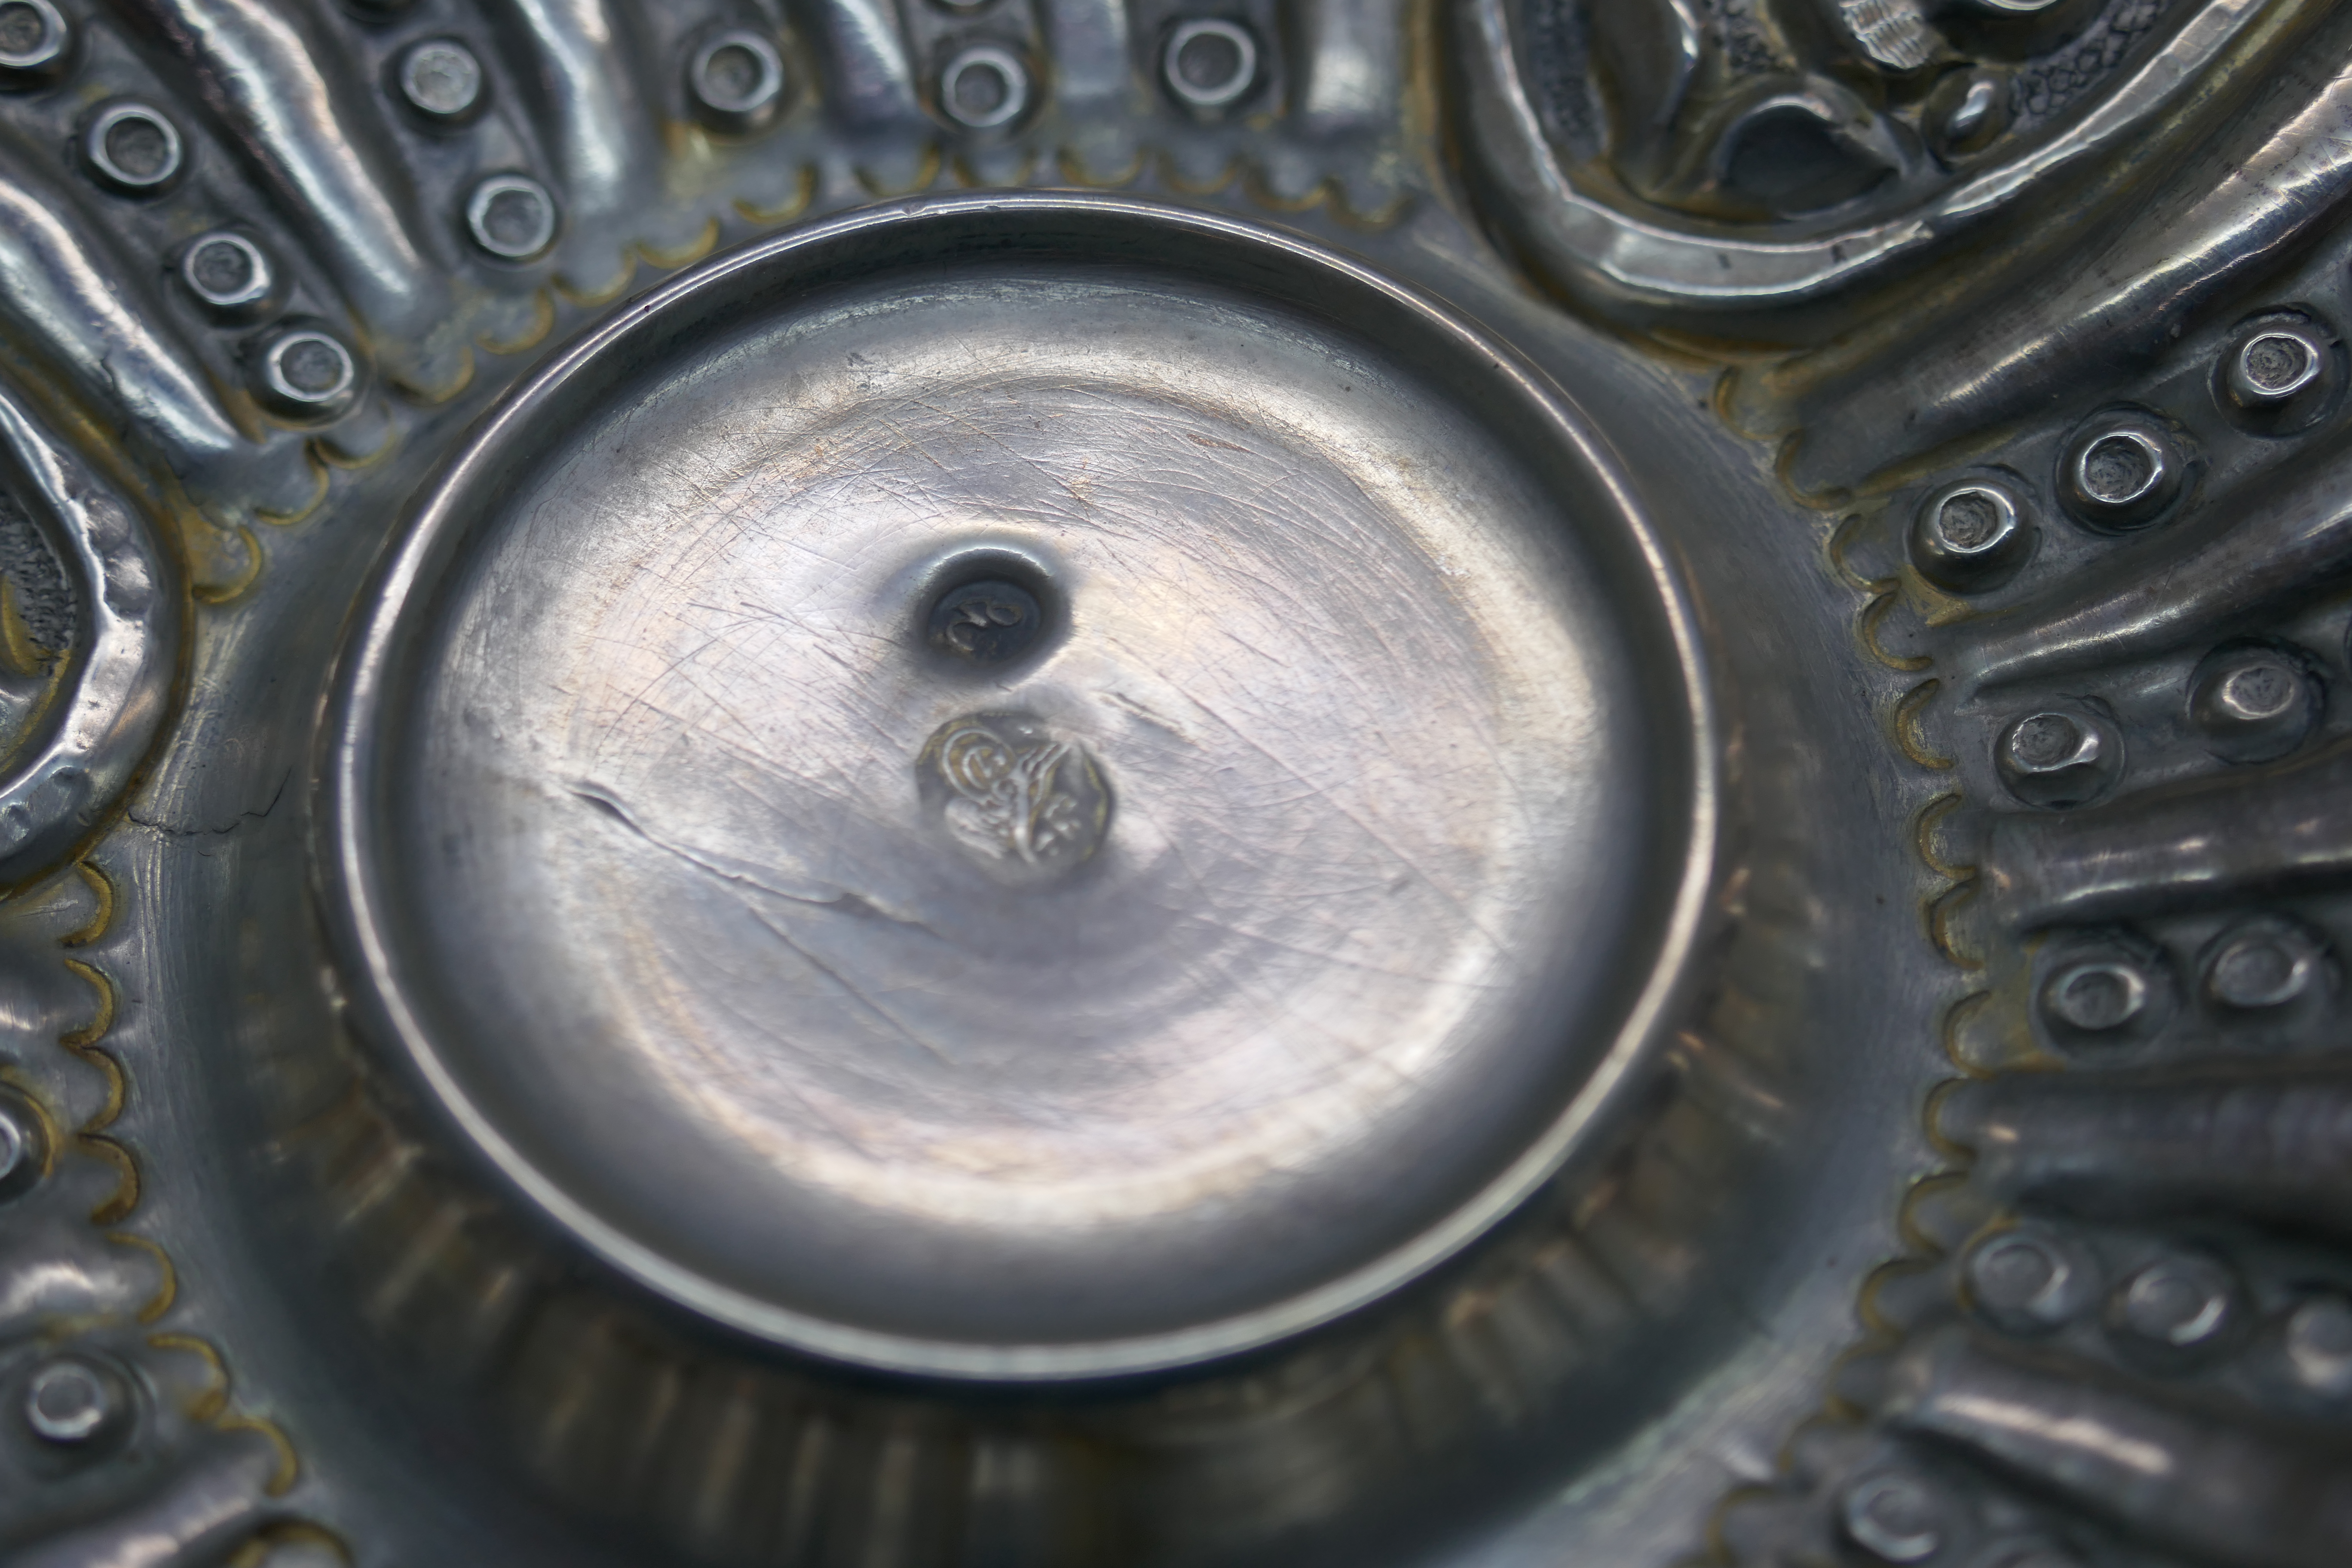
{"x": 138, "y": 146}
{"x": 2259, "y": 691}
{"x": 223, "y": 268}
{"x": 732, "y": 75}
{"x": 314, "y": 366}
{"x": 2179, "y": 1302}
{"x": 1210, "y": 63}
{"x": 2098, "y": 998}
{"x": 1035, "y": 788}
{"x": 2118, "y": 469}
{"x": 985, "y": 86}
{"x": 2260, "y": 972}
{"x": 511, "y": 216}
{"x": 2276, "y": 362}
{"x": 2047, "y": 740}
{"x": 32, "y": 36}
{"x": 21, "y": 28}
{"x": 442, "y": 78}
{"x": 2014, "y": 1273}
{"x": 1971, "y": 520}
{"x": 66, "y": 1402}
{"x": 513, "y": 219}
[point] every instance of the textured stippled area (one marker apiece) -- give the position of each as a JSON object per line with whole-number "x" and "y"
{"x": 2049, "y": 84}
{"x": 44, "y": 597}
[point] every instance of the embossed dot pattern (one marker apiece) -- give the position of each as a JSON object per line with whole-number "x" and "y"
{"x": 1210, "y": 63}
{"x": 983, "y": 88}
{"x": 32, "y": 36}
{"x": 139, "y": 147}
{"x": 737, "y": 81}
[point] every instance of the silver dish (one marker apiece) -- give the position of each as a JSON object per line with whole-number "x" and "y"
{"x": 935, "y": 782}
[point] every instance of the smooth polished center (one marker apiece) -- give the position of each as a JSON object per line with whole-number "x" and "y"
{"x": 999, "y": 815}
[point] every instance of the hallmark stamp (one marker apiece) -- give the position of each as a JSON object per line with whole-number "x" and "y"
{"x": 1024, "y": 802}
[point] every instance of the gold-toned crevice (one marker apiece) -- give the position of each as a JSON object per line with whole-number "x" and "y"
{"x": 98, "y": 1136}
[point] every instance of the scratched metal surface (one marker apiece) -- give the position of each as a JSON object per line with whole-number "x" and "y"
{"x": 1091, "y": 1005}
{"x": 1074, "y": 781}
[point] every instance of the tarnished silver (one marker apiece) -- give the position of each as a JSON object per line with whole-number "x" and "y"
{"x": 1972, "y": 535}
{"x": 441, "y": 80}
{"x": 512, "y": 218}
{"x": 1013, "y": 1141}
{"x": 985, "y": 86}
{"x": 2123, "y": 469}
{"x": 303, "y": 372}
{"x": 71, "y": 1402}
{"x": 24, "y": 1145}
{"x": 107, "y": 695}
{"x": 737, "y": 81}
{"x": 1208, "y": 63}
{"x": 1883, "y": 204}
{"x": 132, "y": 147}
{"x": 33, "y": 39}
{"x": 229, "y": 275}
{"x": 933, "y": 782}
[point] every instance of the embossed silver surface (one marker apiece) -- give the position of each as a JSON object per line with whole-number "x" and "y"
{"x": 923, "y": 783}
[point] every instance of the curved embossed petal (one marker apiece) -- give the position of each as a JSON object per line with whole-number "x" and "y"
{"x": 287, "y": 101}
{"x": 74, "y": 309}
{"x": 64, "y": 774}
